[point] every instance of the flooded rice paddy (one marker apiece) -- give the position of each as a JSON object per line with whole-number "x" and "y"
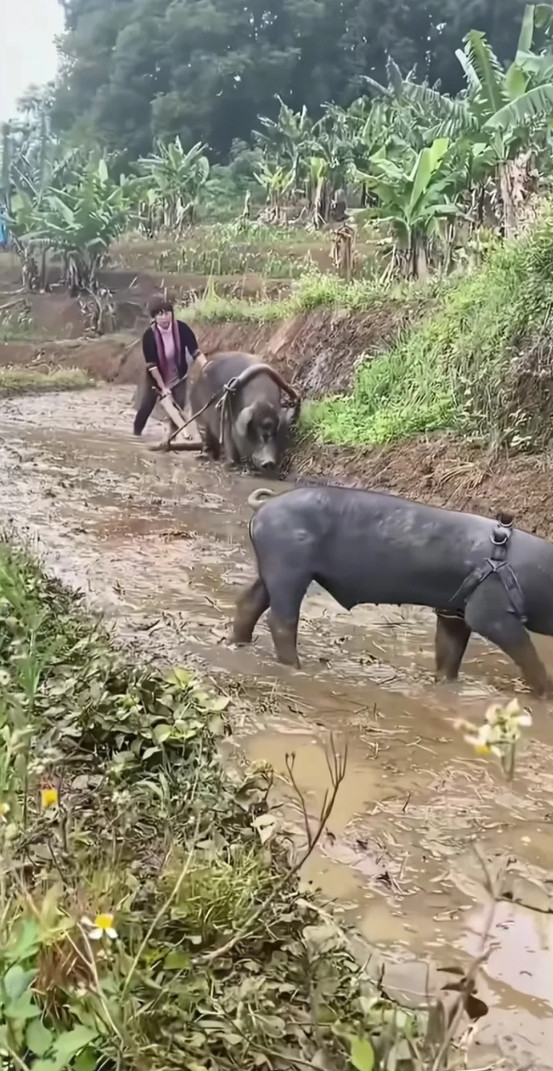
{"x": 159, "y": 544}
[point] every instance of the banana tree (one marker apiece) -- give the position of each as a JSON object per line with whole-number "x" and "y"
{"x": 174, "y": 182}
{"x": 416, "y": 194}
{"x": 506, "y": 110}
{"x": 287, "y": 142}
{"x": 79, "y": 223}
{"x": 319, "y": 195}
{"x": 277, "y": 181}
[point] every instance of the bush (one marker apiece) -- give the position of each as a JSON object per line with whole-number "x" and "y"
{"x": 149, "y": 916}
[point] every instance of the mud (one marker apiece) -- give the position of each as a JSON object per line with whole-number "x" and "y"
{"x": 159, "y": 544}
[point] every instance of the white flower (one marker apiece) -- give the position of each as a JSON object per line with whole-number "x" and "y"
{"x": 102, "y": 926}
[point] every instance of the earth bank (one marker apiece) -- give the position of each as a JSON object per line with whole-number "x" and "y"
{"x": 318, "y": 350}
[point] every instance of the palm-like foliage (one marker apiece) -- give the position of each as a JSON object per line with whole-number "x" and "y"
{"x": 416, "y": 193}
{"x": 79, "y": 222}
{"x": 174, "y": 181}
{"x": 287, "y": 142}
{"x": 502, "y": 113}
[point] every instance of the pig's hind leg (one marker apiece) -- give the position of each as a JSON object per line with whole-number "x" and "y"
{"x": 250, "y": 605}
{"x": 286, "y": 592}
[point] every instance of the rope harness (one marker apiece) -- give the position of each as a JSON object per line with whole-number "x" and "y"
{"x": 496, "y": 563}
{"x": 224, "y": 395}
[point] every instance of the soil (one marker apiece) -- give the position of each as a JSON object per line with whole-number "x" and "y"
{"x": 444, "y": 471}
{"x": 318, "y": 352}
{"x": 159, "y": 544}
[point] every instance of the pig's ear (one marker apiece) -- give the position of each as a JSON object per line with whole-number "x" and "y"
{"x": 242, "y": 421}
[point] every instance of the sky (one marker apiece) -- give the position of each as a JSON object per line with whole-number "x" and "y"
{"x": 27, "y": 31}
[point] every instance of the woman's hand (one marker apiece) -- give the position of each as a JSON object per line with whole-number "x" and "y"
{"x": 157, "y": 378}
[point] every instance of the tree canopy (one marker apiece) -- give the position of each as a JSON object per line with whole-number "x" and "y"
{"x": 135, "y": 71}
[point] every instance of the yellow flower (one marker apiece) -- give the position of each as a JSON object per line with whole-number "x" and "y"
{"x": 49, "y": 797}
{"x": 102, "y": 926}
{"x": 482, "y": 749}
{"x": 4, "y": 811}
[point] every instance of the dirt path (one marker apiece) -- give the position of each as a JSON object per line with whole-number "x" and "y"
{"x": 159, "y": 543}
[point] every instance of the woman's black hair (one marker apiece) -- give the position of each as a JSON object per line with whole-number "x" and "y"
{"x": 160, "y": 304}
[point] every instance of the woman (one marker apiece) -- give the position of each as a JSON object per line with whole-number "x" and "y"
{"x": 165, "y": 346}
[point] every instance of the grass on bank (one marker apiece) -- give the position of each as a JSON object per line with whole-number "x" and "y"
{"x": 480, "y": 363}
{"x": 314, "y": 291}
{"x": 25, "y": 380}
{"x": 148, "y": 918}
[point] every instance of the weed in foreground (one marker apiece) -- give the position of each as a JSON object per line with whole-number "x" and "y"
{"x": 149, "y": 912}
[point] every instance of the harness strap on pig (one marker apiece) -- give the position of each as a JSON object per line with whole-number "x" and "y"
{"x": 234, "y": 385}
{"x": 497, "y": 563}
{"x": 222, "y": 396}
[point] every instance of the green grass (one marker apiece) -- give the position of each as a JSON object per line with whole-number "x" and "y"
{"x": 24, "y": 380}
{"x": 16, "y": 332}
{"x": 237, "y": 248}
{"x": 466, "y": 366}
{"x": 231, "y": 249}
{"x": 315, "y": 290}
{"x": 113, "y": 801}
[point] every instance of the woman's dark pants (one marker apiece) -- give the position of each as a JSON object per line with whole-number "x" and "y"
{"x": 147, "y": 396}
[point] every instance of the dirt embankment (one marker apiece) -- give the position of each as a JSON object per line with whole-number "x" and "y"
{"x": 319, "y": 351}
{"x": 444, "y": 471}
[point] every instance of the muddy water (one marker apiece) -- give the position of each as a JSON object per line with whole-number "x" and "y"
{"x": 159, "y": 544}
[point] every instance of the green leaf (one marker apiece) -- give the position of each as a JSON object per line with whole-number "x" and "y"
{"x": 87, "y": 1060}
{"x": 147, "y": 754}
{"x": 67, "y": 1045}
{"x": 103, "y": 171}
{"x": 57, "y": 204}
{"x": 362, "y": 1054}
{"x": 428, "y": 161}
{"x": 537, "y": 103}
{"x": 162, "y": 732}
{"x": 543, "y": 17}
{"x": 515, "y": 82}
{"x": 39, "y": 1038}
{"x": 473, "y": 81}
{"x": 181, "y": 677}
{"x": 25, "y": 941}
{"x": 540, "y": 67}
{"x": 526, "y": 34}
{"x": 177, "y": 960}
{"x": 488, "y": 68}
{"x": 23, "y": 1008}
{"x": 16, "y": 981}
